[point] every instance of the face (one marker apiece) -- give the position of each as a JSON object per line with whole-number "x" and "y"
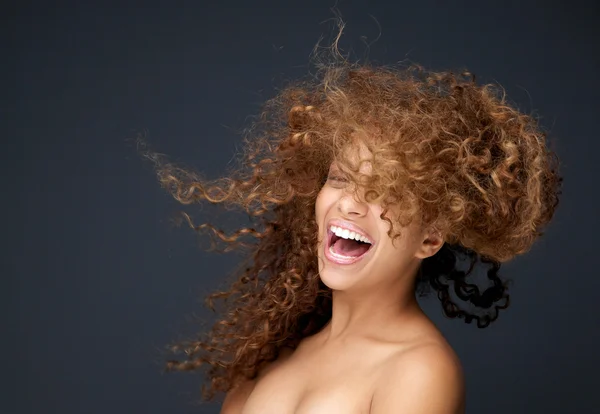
{"x": 344, "y": 264}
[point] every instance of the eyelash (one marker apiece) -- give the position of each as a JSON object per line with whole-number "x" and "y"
{"x": 336, "y": 181}
{"x": 336, "y": 178}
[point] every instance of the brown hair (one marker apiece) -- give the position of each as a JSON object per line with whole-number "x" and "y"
{"x": 444, "y": 148}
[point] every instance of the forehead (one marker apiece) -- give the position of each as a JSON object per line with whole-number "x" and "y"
{"x": 357, "y": 153}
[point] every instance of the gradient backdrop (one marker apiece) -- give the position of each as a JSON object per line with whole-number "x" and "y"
{"x": 96, "y": 281}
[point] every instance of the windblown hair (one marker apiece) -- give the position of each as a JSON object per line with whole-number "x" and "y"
{"x": 445, "y": 150}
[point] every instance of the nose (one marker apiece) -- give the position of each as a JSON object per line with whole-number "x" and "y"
{"x": 349, "y": 206}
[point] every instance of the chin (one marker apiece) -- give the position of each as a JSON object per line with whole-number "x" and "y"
{"x": 338, "y": 279}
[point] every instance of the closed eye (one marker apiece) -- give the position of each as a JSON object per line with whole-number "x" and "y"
{"x": 336, "y": 181}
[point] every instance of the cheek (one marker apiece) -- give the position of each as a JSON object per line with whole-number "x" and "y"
{"x": 382, "y": 225}
{"x": 319, "y": 206}
{"x": 322, "y": 205}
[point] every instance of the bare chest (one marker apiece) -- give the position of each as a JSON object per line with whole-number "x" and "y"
{"x": 317, "y": 383}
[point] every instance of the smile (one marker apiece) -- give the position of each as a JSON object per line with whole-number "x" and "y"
{"x": 344, "y": 246}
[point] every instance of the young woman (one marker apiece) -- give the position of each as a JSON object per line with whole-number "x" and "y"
{"x": 366, "y": 185}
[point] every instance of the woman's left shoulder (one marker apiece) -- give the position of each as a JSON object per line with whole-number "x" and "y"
{"x": 426, "y": 376}
{"x": 434, "y": 355}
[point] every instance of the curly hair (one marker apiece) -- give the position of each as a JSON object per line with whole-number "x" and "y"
{"x": 444, "y": 149}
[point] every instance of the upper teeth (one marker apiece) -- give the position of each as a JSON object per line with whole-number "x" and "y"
{"x": 347, "y": 234}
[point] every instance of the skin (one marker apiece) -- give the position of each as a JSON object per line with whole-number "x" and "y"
{"x": 375, "y": 317}
{"x": 377, "y": 292}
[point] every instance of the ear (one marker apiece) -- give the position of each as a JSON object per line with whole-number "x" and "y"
{"x": 432, "y": 242}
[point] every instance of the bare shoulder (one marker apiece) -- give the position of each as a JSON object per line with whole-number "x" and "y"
{"x": 236, "y": 398}
{"x": 424, "y": 378}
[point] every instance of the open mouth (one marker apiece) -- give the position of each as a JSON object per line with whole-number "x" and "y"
{"x": 345, "y": 250}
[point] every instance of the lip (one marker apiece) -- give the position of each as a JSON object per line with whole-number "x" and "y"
{"x": 344, "y": 260}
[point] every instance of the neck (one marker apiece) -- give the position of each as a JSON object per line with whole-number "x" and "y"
{"x": 370, "y": 313}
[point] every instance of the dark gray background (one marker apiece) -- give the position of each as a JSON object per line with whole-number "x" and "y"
{"x": 96, "y": 281}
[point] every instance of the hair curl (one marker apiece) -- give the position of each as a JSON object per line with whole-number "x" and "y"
{"x": 443, "y": 148}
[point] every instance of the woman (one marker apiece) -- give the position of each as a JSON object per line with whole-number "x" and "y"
{"x": 366, "y": 185}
